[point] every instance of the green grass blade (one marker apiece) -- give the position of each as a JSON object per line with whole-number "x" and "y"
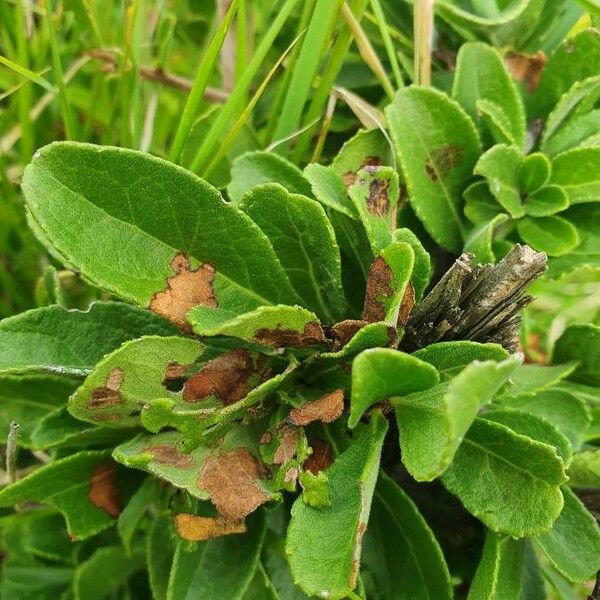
{"x": 306, "y": 67}
{"x": 234, "y": 102}
{"x": 25, "y": 72}
{"x": 207, "y": 65}
{"x": 387, "y": 41}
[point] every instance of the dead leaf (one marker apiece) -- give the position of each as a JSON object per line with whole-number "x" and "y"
{"x": 225, "y": 377}
{"x": 104, "y": 492}
{"x": 231, "y": 480}
{"x": 327, "y": 409}
{"x": 378, "y": 287}
{"x": 186, "y": 289}
{"x": 407, "y": 304}
{"x": 281, "y": 338}
{"x": 197, "y": 529}
{"x": 526, "y": 68}
{"x": 108, "y": 394}
{"x": 321, "y": 457}
{"x": 287, "y": 445}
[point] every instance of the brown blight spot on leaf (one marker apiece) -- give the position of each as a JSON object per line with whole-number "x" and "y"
{"x": 186, "y": 289}
{"x": 441, "y": 160}
{"x": 526, "y": 68}
{"x": 109, "y": 394}
{"x": 327, "y": 409}
{"x": 360, "y": 532}
{"x": 349, "y": 177}
{"x": 378, "y": 201}
{"x": 287, "y": 445}
{"x": 225, "y": 377}
{"x": 321, "y": 457}
{"x": 174, "y": 370}
{"x": 311, "y": 335}
{"x": 104, "y": 492}
{"x": 197, "y": 529}
{"x": 378, "y": 287}
{"x": 344, "y": 331}
{"x": 169, "y": 454}
{"x": 231, "y": 480}
{"x": 407, "y": 304}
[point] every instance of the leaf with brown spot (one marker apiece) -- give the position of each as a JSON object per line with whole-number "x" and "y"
{"x": 311, "y": 335}
{"x": 108, "y": 394}
{"x": 344, "y": 331}
{"x": 197, "y": 529}
{"x": 321, "y": 457}
{"x": 526, "y": 69}
{"x": 441, "y": 160}
{"x": 232, "y": 481}
{"x": 375, "y": 195}
{"x": 104, "y": 492}
{"x": 388, "y": 280}
{"x": 288, "y": 441}
{"x": 349, "y": 177}
{"x": 407, "y": 304}
{"x": 327, "y": 409}
{"x": 185, "y": 289}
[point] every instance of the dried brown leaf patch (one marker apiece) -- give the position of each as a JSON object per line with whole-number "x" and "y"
{"x": 327, "y": 409}
{"x": 197, "y": 529}
{"x": 104, "y": 491}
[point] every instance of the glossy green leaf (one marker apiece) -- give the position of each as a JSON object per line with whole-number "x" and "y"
{"x": 304, "y": 242}
{"x": 432, "y": 423}
{"x": 584, "y": 470}
{"x": 534, "y": 172}
{"x": 123, "y": 196}
{"x": 499, "y": 573}
{"x": 553, "y": 235}
{"x": 481, "y": 75}
{"x": 573, "y": 543}
{"x": 547, "y": 201}
{"x": 124, "y": 380}
{"x": 577, "y": 172}
{"x": 396, "y": 531}
{"x": 112, "y": 565}
{"x": 580, "y": 343}
{"x": 508, "y": 481}
{"x": 422, "y": 269}
{"x": 500, "y": 166}
{"x": 324, "y": 545}
{"x": 451, "y": 357}
{"x": 71, "y": 342}
{"x": 438, "y": 146}
{"x": 255, "y": 168}
{"x": 380, "y": 373}
{"x": 65, "y": 485}
{"x": 480, "y": 241}
{"x": 375, "y": 194}
{"x": 480, "y": 206}
{"x": 293, "y": 324}
{"x": 329, "y": 189}
{"x": 219, "y": 568}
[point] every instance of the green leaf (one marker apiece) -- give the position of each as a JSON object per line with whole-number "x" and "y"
{"x": 324, "y": 545}
{"x": 508, "y": 481}
{"x": 573, "y": 543}
{"x": 27, "y": 399}
{"x": 535, "y": 378}
{"x": 276, "y": 565}
{"x": 432, "y": 423}
{"x": 398, "y": 530}
{"x": 277, "y": 326}
{"x": 483, "y": 15}
{"x": 547, "y": 201}
{"x": 160, "y": 549}
{"x": 71, "y": 342}
{"x": 329, "y": 189}
{"x": 534, "y": 172}
{"x": 367, "y": 147}
{"x": 375, "y": 194}
{"x": 136, "y": 508}
{"x": 380, "y": 373}
{"x": 500, "y": 166}
{"x": 498, "y": 575}
{"x": 255, "y": 168}
{"x": 553, "y": 235}
{"x": 580, "y": 130}
{"x": 438, "y": 146}
{"x": 153, "y": 218}
{"x": 304, "y": 242}
{"x": 480, "y": 206}
{"x": 565, "y": 411}
{"x": 533, "y": 426}
{"x": 481, "y": 240}
{"x": 130, "y": 376}
{"x": 577, "y": 172}
{"x": 584, "y": 470}
{"x": 577, "y": 58}
{"x": 481, "y": 75}
{"x": 580, "y": 343}
{"x": 67, "y": 485}
{"x": 219, "y": 568}
{"x": 451, "y": 357}
{"x": 105, "y": 572}
{"x": 422, "y": 269}
{"x": 496, "y": 120}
